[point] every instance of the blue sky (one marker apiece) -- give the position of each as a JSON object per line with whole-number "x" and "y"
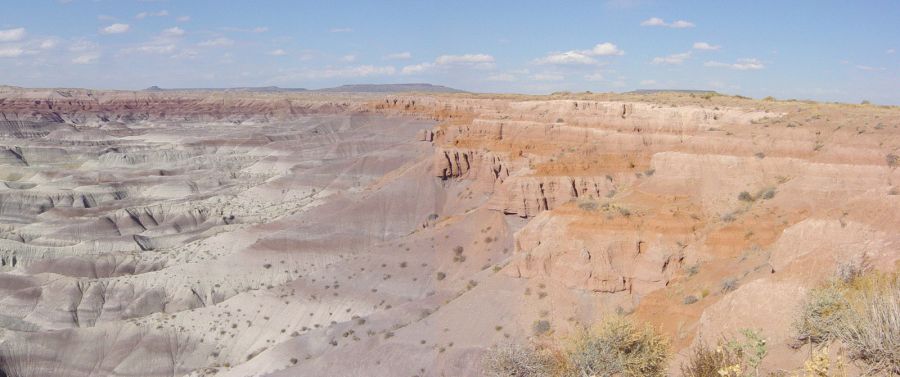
{"x": 825, "y": 50}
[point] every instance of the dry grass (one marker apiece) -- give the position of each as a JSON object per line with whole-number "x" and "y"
{"x": 617, "y": 348}
{"x": 871, "y": 328}
{"x": 516, "y": 360}
{"x": 706, "y": 361}
{"x": 860, "y": 309}
{"x": 822, "y": 312}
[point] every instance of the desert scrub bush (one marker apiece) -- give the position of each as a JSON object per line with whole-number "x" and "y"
{"x": 540, "y": 327}
{"x": 821, "y": 313}
{"x": 731, "y": 357}
{"x": 588, "y": 206}
{"x": 859, "y": 308}
{"x": 825, "y": 307}
{"x": 705, "y": 361}
{"x": 871, "y": 327}
{"x": 729, "y": 285}
{"x": 510, "y": 359}
{"x": 617, "y": 348}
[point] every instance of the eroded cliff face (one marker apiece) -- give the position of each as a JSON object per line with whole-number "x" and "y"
{"x": 643, "y": 197}
{"x": 205, "y": 233}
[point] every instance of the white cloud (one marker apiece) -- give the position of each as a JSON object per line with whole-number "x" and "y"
{"x": 12, "y": 35}
{"x": 705, "y": 46}
{"x": 890, "y": 51}
{"x": 85, "y": 59}
{"x": 584, "y": 57}
{"x": 183, "y": 19}
{"x": 464, "y": 59}
{"x": 348, "y": 58}
{"x": 416, "y": 68}
{"x": 606, "y": 49}
{"x": 648, "y": 82}
{"x": 568, "y": 57}
{"x": 152, "y": 49}
{"x": 681, "y": 24}
{"x": 547, "y": 77}
{"x": 656, "y": 21}
{"x": 48, "y": 44}
{"x": 186, "y": 53}
{"x": 653, "y": 21}
{"x": 398, "y": 56}
{"x": 746, "y": 64}
{"x": 277, "y": 52}
{"x": 594, "y": 77}
{"x": 115, "y": 29}
{"x": 143, "y": 15}
{"x": 869, "y": 68}
{"x": 502, "y": 77}
{"x": 173, "y": 32}
{"x": 478, "y": 61}
{"x": 217, "y": 42}
{"x": 11, "y": 52}
{"x": 341, "y": 30}
{"x": 672, "y": 59}
{"x": 259, "y": 29}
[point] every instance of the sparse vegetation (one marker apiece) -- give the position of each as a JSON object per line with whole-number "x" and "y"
{"x": 618, "y": 348}
{"x": 458, "y": 254}
{"x": 730, "y": 358}
{"x": 892, "y": 160}
{"x": 861, "y": 309}
{"x": 541, "y": 327}
{"x": 705, "y": 361}
{"x": 729, "y": 285}
{"x": 515, "y": 360}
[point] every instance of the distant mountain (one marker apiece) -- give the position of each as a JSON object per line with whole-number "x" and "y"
{"x": 654, "y": 91}
{"x": 262, "y": 89}
{"x": 358, "y": 88}
{"x": 392, "y": 88}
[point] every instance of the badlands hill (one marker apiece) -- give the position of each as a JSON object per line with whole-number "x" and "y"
{"x": 158, "y": 233}
{"x": 359, "y": 88}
